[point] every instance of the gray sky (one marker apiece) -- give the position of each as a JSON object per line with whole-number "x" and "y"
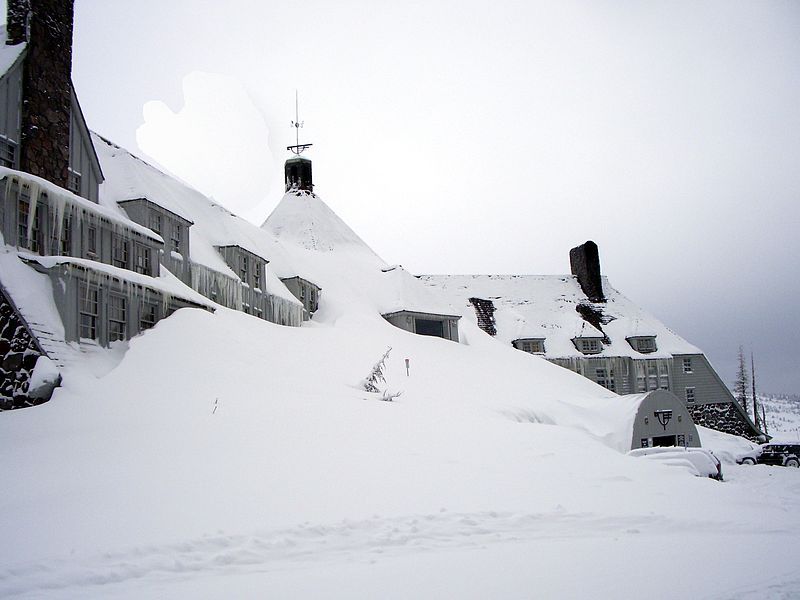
{"x": 491, "y": 137}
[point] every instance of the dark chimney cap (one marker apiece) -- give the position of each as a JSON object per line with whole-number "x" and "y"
{"x": 584, "y": 260}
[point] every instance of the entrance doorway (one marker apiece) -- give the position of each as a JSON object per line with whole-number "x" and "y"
{"x": 663, "y": 440}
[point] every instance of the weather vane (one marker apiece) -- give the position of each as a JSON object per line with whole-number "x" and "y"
{"x": 297, "y": 124}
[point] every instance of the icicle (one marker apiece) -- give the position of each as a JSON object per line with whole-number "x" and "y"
{"x": 35, "y": 191}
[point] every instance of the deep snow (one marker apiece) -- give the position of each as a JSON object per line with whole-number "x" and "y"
{"x": 218, "y": 455}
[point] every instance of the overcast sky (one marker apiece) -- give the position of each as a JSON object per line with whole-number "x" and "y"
{"x": 491, "y": 137}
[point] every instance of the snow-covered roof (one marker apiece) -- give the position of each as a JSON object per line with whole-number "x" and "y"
{"x": 323, "y": 249}
{"x": 545, "y": 306}
{"x": 129, "y": 177}
{"x": 59, "y": 194}
{"x": 167, "y": 283}
{"x": 8, "y": 54}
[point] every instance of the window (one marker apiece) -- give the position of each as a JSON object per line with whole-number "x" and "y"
{"x": 8, "y": 153}
{"x": 588, "y": 345}
{"x": 532, "y": 346}
{"x": 687, "y": 365}
{"x": 244, "y": 267}
{"x": 176, "y": 238}
{"x": 142, "y": 260}
{"x": 117, "y": 317}
{"x": 681, "y": 441}
{"x": 652, "y": 375}
{"x": 155, "y": 222}
{"x": 88, "y": 307}
{"x": 120, "y": 254}
{"x": 91, "y": 240}
{"x": 663, "y": 375}
{"x": 61, "y": 236}
{"x": 302, "y": 292}
{"x": 645, "y": 442}
{"x": 644, "y": 345}
{"x": 690, "y": 396}
{"x": 28, "y": 225}
{"x": 74, "y": 182}
{"x": 148, "y": 315}
{"x": 256, "y": 275}
{"x": 605, "y": 378}
{"x": 641, "y": 382}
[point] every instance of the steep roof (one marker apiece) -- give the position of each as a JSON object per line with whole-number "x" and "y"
{"x": 323, "y": 249}
{"x": 129, "y": 177}
{"x": 8, "y": 54}
{"x": 546, "y": 306}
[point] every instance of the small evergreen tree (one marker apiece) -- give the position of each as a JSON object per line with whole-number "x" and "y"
{"x": 742, "y": 382}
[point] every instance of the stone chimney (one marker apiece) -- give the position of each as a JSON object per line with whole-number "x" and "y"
{"x": 46, "y": 84}
{"x": 17, "y": 21}
{"x": 584, "y": 260}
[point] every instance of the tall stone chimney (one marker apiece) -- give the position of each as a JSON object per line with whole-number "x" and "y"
{"x": 584, "y": 260}
{"x": 17, "y": 21}
{"x": 46, "y": 84}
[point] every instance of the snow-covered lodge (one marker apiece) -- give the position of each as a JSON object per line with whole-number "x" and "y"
{"x": 107, "y": 259}
{"x": 98, "y": 246}
{"x": 579, "y": 321}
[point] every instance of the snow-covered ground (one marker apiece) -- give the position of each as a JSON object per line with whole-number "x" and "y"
{"x": 222, "y": 456}
{"x": 229, "y": 457}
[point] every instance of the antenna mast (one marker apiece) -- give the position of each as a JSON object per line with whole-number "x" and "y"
{"x": 298, "y": 148}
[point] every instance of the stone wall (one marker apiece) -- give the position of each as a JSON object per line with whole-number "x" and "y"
{"x": 46, "y": 91}
{"x": 18, "y": 355}
{"x": 721, "y": 416}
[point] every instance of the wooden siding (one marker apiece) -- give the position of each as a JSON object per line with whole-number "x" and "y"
{"x": 306, "y": 292}
{"x": 70, "y": 280}
{"x": 10, "y": 95}
{"x": 66, "y": 229}
{"x": 82, "y": 157}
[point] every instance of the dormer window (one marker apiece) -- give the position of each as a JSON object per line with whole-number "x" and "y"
{"x": 588, "y": 345}
{"x": 530, "y": 345}
{"x": 643, "y": 344}
{"x": 74, "y": 182}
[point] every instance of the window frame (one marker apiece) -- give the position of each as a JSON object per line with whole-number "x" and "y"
{"x": 85, "y": 301}
{"x": 117, "y": 317}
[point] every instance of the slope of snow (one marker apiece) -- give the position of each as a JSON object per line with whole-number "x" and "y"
{"x": 226, "y": 451}
{"x": 544, "y": 306}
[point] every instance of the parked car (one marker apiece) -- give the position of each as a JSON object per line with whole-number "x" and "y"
{"x": 750, "y": 458}
{"x": 784, "y": 455}
{"x": 699, "y": 461}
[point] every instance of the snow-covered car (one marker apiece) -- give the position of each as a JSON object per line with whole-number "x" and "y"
{"x": 700, "y": 462}
{"x": 750, "y": 458}
{"x": 784, "y": 455}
